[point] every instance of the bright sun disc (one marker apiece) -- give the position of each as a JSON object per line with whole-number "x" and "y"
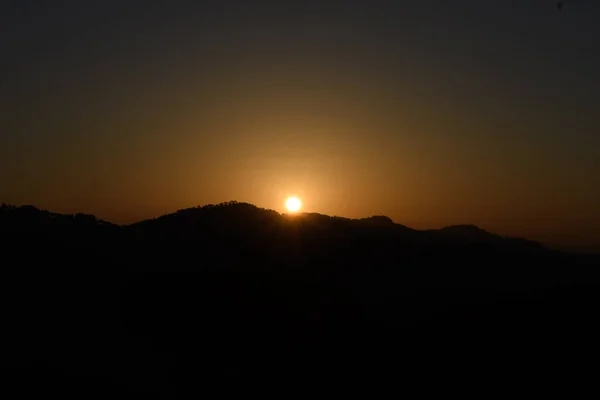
{"x": 293, "y": 204}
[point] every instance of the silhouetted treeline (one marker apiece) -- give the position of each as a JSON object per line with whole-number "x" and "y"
{"x": 232, "y": 296}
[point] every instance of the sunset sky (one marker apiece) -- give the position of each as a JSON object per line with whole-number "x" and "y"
{"x": 432, "y": 112}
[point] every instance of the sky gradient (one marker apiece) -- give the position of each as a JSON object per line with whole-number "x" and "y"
{"x": 430, "y": 112}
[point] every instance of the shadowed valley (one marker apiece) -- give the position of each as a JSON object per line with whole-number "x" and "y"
{"x": 234, "y": 296}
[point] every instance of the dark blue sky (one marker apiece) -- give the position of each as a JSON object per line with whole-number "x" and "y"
{"x": 432, "y": 112}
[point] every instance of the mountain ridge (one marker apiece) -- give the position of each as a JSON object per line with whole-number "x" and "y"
{"x": 28, "y": 215}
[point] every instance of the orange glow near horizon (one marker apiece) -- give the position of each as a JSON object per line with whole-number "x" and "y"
{"x": 427, "y": 133}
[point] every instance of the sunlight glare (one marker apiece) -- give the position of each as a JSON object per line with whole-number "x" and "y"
{"x": 293, "y": 204}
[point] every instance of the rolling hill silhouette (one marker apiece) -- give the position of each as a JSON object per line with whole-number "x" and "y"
{"x": 232, "y": 295}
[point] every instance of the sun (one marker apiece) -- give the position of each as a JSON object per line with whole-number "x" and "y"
{"x": 293, "y": 204}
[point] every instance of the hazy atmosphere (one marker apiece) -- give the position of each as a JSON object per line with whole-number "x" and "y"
{"x": 430, "y": 112}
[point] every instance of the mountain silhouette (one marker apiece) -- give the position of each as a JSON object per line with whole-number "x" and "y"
{"x": 235, "y": 218}
{"x": 235, "y": 296}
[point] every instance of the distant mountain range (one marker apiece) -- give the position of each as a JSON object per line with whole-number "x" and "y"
{"x": 235, "y": 234}
{"x": 244, "y": 216}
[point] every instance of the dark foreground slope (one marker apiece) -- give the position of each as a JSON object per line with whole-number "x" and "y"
{"x": 233, "y": 297}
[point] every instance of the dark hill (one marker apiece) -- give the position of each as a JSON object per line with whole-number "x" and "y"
{"x": 234, "y": 296}
{"x": 474, "y": 234}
